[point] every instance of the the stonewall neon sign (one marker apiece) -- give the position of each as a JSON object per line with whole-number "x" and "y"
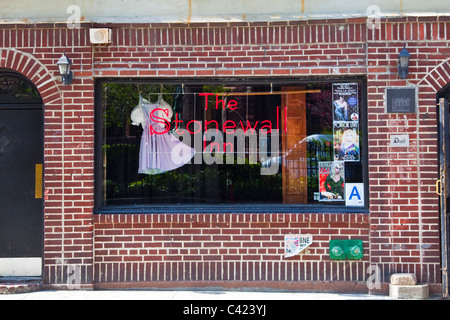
{"x": 230, "y": 138}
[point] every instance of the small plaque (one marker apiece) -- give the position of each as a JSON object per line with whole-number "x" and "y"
{"x": 401, "y": 100}
{"x": 399, "y": 140}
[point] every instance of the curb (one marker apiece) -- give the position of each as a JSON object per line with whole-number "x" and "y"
{"x": 13, "y": 288}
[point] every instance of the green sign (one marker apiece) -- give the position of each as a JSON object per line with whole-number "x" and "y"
{"x": 346, "y": 249}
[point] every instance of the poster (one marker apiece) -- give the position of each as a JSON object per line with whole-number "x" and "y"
{"x": 346, "y": 140}
{"x": 294, "y": 244}
{"x": 345, "y": 102}
{"x": 346, "y": 122}
{"x": 331, "y": 181}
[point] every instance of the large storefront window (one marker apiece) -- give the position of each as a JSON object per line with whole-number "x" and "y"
{"x": 231, "y": 143}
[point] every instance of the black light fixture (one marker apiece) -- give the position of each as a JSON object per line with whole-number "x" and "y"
{"x": 403, "y": 63}
{"x": 64, "y": 66}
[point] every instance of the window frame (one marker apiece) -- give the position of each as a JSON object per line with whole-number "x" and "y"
{"x": 227, "y": 208}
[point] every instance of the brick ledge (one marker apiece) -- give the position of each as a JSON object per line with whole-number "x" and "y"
{"x": 13, "y": 288}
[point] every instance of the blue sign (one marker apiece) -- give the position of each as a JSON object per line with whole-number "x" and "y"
{"x": 352, "y": 101}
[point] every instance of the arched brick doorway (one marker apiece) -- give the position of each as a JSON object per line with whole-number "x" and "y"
{"x": 21, "y": 176}
{"x": 437, "y": 81}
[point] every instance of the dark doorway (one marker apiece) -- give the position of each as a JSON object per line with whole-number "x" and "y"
{"x": 21, "y": 175}
{"x": 443, "y": 183}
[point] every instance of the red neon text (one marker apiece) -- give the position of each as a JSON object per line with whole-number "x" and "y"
{"x": 228, "y": 126}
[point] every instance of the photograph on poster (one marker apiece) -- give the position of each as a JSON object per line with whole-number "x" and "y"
{"x": 346, "y": 122}
{"x": 345, "y": 102}
{"x": 346, "y": 140}
{"x": 331, "y": 181}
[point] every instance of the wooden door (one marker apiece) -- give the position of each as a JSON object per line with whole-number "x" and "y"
{"x": 295, "y": 171}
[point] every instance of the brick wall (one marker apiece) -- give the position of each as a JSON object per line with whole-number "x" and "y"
{"x": 402, "y": 231}
{"x": 235, "y": 49}
{"x": 223, "y": 247}
{"x": 33, "y": 50}
{"x": 404, "y": 205}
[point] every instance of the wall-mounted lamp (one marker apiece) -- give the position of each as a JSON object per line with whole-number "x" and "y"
{"x": 64, "y": 66}
{"x": 403, "y": 63}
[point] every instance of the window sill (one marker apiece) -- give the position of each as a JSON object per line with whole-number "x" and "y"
{"x": 225, "y": 208}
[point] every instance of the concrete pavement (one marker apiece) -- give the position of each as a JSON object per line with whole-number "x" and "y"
{"x": 190, "y": 295}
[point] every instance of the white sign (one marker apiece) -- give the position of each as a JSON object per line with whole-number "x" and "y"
{"x": 294, "y": 244}
{"x": 354, "y": 194}
{"x": 399, "y": 140}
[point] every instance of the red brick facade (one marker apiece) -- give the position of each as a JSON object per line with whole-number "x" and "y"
{"x": 400, "y": 233}
{"x": 222, "y": 248}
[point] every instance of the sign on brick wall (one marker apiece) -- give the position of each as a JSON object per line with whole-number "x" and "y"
{"x": 401, "y": 100}
{"x": 294, "y": 244}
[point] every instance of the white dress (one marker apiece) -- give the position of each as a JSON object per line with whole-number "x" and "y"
{"x": 160, "y": 151}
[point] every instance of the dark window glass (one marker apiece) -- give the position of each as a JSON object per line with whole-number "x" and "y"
{"x": 15, "y": 89}
{"x": 231, "y": 143}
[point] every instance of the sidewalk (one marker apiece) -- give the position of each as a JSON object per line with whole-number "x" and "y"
{"x": 190, "y": 295}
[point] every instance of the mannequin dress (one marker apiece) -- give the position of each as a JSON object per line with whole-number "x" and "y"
{"x": 159, "y": 151}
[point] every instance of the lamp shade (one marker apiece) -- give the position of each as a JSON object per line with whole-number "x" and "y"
{"x": 64, "y": 65}
{"x": 403, "y": 58}
{"x": 403, "y": 63}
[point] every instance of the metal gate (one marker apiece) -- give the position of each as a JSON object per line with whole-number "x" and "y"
{"x": 21, "y": 158}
